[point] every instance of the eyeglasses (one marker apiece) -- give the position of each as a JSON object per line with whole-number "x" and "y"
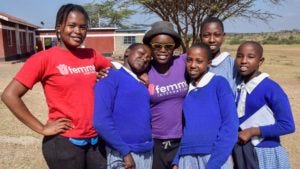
{"x": 168, "y": 46}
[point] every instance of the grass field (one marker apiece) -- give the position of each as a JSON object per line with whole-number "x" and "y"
{"x": 21, "y": 147}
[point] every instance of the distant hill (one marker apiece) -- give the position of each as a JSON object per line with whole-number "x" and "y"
{"x": 281, "y": 37}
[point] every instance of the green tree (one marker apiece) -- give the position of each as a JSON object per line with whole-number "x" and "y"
{"x": 109, "y": 13}
{"x": 187, "y": 15}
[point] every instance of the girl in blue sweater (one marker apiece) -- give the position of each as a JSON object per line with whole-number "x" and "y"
{"x": 222, "y": 64}
{"x": 263, "y": 109}
{"x": 211, "y": 123}
{"x": 122, "y": 112}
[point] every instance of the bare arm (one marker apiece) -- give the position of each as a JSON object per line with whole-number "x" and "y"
{"x": 12, "y": 98}
{"x": 102, "y": 73}
{"x": 129, "y": 162}
{"x": 247, "y": 134}
{"x": 144, "y": 78}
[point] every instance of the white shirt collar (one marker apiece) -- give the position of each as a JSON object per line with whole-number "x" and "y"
{"x": 117, "y": 65}
{"x": 217, "y": 60}
{"x": 250, "y": 86}
{"x": 203, "y": 81}
{"x": 130, "y": 73}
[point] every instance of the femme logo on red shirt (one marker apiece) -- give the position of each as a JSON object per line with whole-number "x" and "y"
{"x": 66, "y": 70}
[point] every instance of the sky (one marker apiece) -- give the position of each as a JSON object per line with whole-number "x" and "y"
{"x": 35, "y": 11}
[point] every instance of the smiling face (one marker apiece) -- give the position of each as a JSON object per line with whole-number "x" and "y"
{"x": 138, "y": 58}
{"x": 73, "y": 31}
{"x": 197, "y": 63}
{"x": 248, "y": 59}
{"x": 162, "y": 47}
{"x": 212, "y": 34}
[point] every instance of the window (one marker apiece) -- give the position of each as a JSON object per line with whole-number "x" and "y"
{"x": 107, "y": 54}
{"x": 129, "y": 39}
{"x": 30, "y": 35}
{"x": 9, "y": 38}
{"x": 21, "y": 38}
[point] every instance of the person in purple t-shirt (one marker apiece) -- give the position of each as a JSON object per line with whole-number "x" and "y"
{"x": 167, "y": 87}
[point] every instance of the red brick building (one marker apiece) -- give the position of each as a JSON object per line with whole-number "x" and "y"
{"x": 100, "y": 39}
{"x": 17, "y": 37}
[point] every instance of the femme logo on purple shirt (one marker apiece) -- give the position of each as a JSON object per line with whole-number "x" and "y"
{"x": 167, "y": 92}
{"x": 162, "y": 90}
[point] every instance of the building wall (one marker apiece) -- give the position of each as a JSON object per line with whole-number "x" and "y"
{"x": 100, "y": 40}
{"x": 25, "y": 40}
{"x": 31, "y": 44}
{"x": 9, "y": 42}
{"x": 120, "y": 47}
{"x": 15, "y": 43}
{"x": 2, "y": 56}
{"x": 104, "y": 45}
{"x": 23, "y": 45}
{"x": 105, "y": 41}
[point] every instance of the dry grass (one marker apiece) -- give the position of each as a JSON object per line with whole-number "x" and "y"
{"x": 21, "y": 147}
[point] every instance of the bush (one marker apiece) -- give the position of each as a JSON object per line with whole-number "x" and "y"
{"x": 276, "y": 40}
{"x": 236, "y": 40}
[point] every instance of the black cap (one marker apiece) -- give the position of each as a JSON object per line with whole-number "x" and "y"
{"x": 162, "y": 27}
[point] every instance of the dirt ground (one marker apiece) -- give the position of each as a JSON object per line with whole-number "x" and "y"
{"x": 21, "y": 148}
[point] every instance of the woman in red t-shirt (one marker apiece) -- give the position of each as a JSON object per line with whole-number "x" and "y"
{"x": 68, "y": 74}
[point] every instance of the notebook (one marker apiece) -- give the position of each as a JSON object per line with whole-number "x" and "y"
{"x": 262, "y": 117}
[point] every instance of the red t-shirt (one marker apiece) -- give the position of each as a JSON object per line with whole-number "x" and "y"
{"x": 68, "y": 80}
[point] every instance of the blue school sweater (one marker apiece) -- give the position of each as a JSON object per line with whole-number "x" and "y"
{"x": 211, "y": 122}
{"x": 269, "y": 93}
{"x": 122, "y": 113}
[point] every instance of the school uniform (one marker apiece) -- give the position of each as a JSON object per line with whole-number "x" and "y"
{"x": 211, "y": 125}
{"x": 266, "y": 105}
{"x": 122, "y": 117}
{"x": 223, "y": 65}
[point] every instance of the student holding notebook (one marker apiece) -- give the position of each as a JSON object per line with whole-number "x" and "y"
{"x": 263, "y": 109}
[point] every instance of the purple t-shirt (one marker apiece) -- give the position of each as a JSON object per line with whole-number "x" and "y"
{"x": 167, "y": 93}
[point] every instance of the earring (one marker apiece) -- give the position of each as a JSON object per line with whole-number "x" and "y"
{"x": 58, "y": 36}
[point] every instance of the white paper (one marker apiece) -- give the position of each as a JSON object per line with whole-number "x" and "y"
{"x": 262, "y": 117}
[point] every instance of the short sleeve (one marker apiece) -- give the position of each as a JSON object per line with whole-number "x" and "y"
{"x": 183, "y": 57}
{"x": 101, "y": 62}
{"x": 32, "y": 70}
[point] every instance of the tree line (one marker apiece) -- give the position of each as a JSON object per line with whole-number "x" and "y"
{"x": 186, "y": 15}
